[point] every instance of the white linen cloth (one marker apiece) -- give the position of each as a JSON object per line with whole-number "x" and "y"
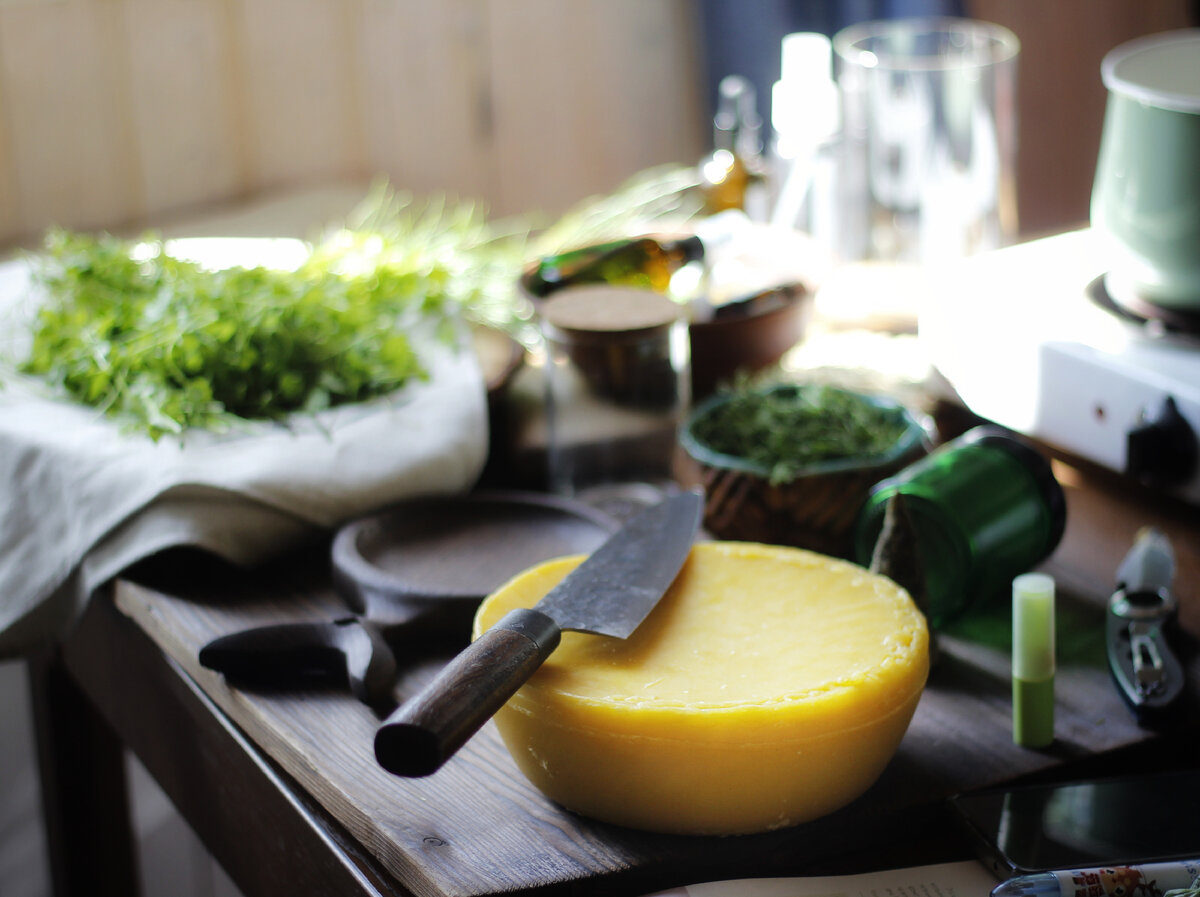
{"x": 83, "y": 500}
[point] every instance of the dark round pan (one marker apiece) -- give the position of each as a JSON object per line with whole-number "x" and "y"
{"x": 456, "y": 550}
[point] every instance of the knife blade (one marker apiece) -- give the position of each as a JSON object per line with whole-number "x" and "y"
{"x": 608, "y": 594}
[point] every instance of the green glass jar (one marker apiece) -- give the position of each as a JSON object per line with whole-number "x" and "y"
{"x": 983, "y": 509}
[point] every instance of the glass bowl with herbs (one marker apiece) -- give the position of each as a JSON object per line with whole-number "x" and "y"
{"x": 792, "y": 463}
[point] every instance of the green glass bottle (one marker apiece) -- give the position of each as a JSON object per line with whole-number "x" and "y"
{"x": 648, "y": 262}
{"x": 734, "y": 175}
{"x": 983, "y": 509}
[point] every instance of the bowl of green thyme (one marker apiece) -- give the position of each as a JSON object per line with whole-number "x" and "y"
{"x": 792, "y": 463}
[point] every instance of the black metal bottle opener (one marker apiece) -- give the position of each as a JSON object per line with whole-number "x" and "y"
{"x": 1146, "y": 671}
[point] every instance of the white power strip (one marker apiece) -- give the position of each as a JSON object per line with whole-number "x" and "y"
{"x": 1091, "y": 401}
{"x": 1017, "y": 335}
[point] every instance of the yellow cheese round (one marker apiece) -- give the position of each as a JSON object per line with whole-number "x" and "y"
{"x": 770, "y": 686}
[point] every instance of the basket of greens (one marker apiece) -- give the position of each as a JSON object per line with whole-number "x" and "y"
{"x": 792, "y": 463}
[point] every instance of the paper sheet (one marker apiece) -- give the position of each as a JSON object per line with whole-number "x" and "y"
{"x": 964, "y": 879}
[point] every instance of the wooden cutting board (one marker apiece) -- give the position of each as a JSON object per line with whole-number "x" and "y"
{"x": 477, "y": 827}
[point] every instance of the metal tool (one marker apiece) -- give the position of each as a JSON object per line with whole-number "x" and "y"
{"x": 1146, "y": 671}
{"x": 609, "y": 594}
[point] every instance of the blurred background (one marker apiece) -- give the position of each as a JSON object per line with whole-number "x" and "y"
{"x": 119, "y": 112}
{"x": 123, "y": 114}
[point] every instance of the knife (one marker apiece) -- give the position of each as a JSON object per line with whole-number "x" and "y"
{"x": 1146, "y": 671}
{"x": 609, "y": 594}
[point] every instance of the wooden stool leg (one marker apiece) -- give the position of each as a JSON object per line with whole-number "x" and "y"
{"x": 85, "y": 800}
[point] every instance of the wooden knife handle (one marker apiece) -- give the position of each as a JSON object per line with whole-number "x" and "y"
{"x": 427, "y": 729}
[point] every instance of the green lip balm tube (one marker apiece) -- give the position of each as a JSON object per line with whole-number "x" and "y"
{"x": 1033, "y": 659}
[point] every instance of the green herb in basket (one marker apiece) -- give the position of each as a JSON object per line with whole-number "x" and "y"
{"x": 788, "y": 428}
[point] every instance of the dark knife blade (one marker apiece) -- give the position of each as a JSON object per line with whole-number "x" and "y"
{"x": 609, "y": 594}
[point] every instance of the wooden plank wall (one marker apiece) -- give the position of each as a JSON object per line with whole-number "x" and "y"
{"x": 113, "y": 112}
{"x": 1061, "y": 98}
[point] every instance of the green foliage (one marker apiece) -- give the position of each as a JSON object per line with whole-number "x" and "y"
{"x": 164, "y": 344}
{"x": 787, "y": 428}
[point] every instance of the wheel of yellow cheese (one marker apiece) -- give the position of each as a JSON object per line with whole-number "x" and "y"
{"x": 769, "y": 687}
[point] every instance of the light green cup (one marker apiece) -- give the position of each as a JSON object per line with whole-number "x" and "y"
{"x": 1146, "y": 195}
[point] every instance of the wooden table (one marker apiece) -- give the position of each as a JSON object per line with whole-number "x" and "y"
{"x": 285, "y": 792}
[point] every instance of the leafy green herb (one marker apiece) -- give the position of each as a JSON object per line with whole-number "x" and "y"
{"x": 164, "y": 344}
{"x": 472, "y": 263}
{"x": 786, "y": 428}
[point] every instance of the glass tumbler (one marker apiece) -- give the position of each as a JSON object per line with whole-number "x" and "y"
{"x": 929, "y": 138}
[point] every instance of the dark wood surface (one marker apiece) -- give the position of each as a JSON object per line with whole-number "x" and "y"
{"x": 81, "y": 762}
{"x": 477, "y": 827}
{"x": 269, "y": 835}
